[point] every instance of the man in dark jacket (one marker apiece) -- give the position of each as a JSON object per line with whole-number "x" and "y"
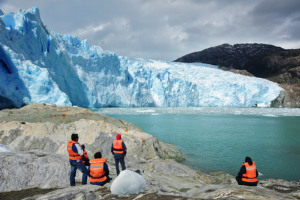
{"x": 76, "y": 156}
{"x": 118, "y": 149}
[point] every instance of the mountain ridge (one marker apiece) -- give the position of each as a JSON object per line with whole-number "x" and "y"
{"x": 261, "y": 60}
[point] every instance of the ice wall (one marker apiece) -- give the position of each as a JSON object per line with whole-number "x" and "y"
{"x": 38, "y": 65}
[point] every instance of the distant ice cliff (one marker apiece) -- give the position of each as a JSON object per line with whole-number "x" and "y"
{"x": 38, "y": 65}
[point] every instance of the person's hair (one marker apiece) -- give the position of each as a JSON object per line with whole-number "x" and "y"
{"x": 248, "y": 160}
{"x": 74, "y": 136}
{"x": 83, "y": 147}
{"x": 98, "y": 155}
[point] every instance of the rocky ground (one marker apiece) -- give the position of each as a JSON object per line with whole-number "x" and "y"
{"x": 260, "y": 60}
{"x": 41, "y": 160}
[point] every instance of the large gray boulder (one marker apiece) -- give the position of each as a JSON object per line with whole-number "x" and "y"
{"x": 24, "y": 170}
{"x": 49, "y": 127}
{"x": 228, "y": 192}
{"x": 86, "y": 192}
{"x": 235, "y": 192}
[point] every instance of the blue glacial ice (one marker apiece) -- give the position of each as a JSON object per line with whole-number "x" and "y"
{"x": 39, "y": 65}
{"x": 4, "y": 148}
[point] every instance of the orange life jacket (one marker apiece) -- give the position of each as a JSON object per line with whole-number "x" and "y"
{"x": 250, "y": 175}
{"x": 117, "y": 146}
{"x": 72, "y": 154}
{"x": 97, "y": 173}
{"x": 85, "y": 155}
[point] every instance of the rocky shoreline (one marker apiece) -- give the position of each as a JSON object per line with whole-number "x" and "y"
{"x": 39, "y": 134}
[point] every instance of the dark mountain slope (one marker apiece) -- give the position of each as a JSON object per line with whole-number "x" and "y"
{"x": 261, "y": 60}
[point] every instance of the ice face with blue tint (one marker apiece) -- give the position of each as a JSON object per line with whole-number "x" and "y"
{"x": 38, "y": 65}
{"x": 4, "y": 148}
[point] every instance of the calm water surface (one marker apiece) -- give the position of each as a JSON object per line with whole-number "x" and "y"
{"x": 220, "y": 142}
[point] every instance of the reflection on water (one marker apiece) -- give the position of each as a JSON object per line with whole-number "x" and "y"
{"x": 220, "y": 142}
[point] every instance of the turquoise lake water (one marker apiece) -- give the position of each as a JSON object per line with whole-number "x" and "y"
{"x": 214, "y": 139}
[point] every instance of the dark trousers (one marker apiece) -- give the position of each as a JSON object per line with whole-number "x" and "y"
{"x": 82, "y": 168}
{"x": 102, "y": 183}
{"x": 121, "y": 160}
{"x": 240, "y": 182}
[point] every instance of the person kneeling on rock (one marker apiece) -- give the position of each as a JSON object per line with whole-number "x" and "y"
{"x": 248, "y": 173}
{"x": 98, "y": 170}
{"x": 76, "y": 155}
{"x": 118, "y": 149}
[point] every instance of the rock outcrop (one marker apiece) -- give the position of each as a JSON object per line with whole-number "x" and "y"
{"x": 32, "y": 169}
{"x": 228, "y": 192}
{"x": 261, "y": 60}
{"x": 36, "y": 113}
{"x": 21, "y": 132}
{"x": 166, "y": 179}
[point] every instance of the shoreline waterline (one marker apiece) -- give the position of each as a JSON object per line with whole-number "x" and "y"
{"x": 256, "y": 111}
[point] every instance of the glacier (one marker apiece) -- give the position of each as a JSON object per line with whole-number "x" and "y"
{"x": 39, "y": 65}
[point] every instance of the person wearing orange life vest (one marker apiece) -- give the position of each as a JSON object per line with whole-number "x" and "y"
{"x": 75, "y": 156}
{"x": 248, "y": 173}
{"x": 98, "y": 170}
{"x": 118, "y": 149}
{"x": 86, "y": 159}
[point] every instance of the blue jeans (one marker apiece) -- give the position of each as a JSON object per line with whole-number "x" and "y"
{"x": 82, "y": 168}
{"x": 121, "y": 160}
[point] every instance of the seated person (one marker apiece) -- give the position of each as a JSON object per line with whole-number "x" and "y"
{"x": 98, "y": 170}
{"x": 248, "y": 173}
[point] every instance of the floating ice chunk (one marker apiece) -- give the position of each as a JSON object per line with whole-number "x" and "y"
{"x": 196, "y": 108}
{"x": 128, "y": 182}
{"x": 269, "y": 115}
{"x": 4, "y": 148}
{"x": 260, "y": 174}
{"x": 145, "y": 111}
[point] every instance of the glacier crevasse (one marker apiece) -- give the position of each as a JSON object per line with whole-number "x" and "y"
{"x": 39, "y": 65}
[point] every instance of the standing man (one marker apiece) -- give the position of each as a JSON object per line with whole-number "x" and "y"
{"x": 76, "y": 155}
{"x": 118, "y": 149}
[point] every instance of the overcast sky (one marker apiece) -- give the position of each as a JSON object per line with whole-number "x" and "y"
{"x": 169, "y": 29}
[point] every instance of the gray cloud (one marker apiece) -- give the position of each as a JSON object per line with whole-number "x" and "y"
{"x": 2, "y": 2}
{"x": 169, "y": 29}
